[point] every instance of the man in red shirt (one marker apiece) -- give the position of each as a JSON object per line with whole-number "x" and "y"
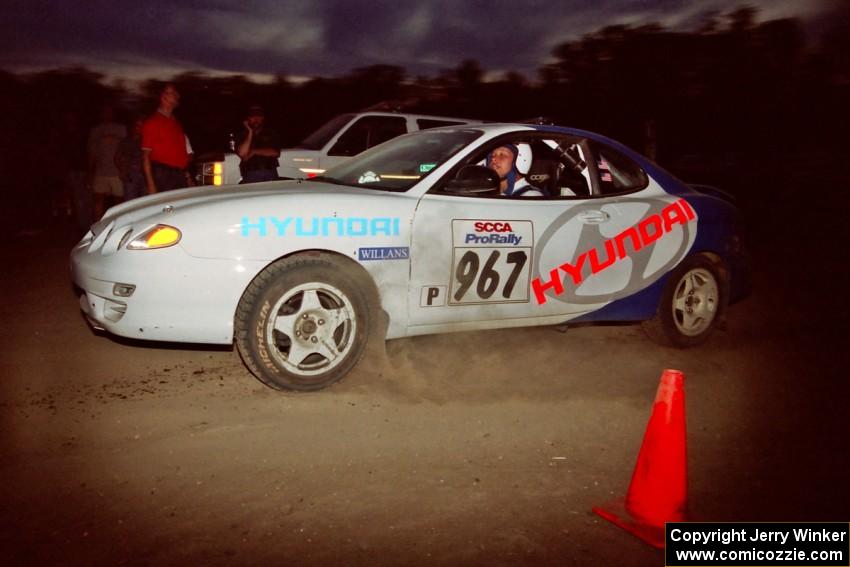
{"x": 164, "y": 155}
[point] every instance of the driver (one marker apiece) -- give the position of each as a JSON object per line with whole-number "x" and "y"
{"x": 512, "y": 162}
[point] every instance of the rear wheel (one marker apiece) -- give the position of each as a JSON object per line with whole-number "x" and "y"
{"x": 690, "y": 305}
{"x": 303, "y": 323}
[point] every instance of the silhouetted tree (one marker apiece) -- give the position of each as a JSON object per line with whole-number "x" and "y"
{"x": 735, "y": 90}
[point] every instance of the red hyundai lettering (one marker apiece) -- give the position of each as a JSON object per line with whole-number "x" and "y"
{"x": 648, "y": 231}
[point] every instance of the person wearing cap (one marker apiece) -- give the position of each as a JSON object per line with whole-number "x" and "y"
{"x": 512, "y": 162}
{"x": 259, "y": 149}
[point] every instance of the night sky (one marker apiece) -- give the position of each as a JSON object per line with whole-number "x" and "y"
{"x": 309, "y": 38}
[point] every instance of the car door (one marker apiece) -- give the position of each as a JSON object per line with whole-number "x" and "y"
{"x": 484, "y": 262}
{"x": 472, "y": 259}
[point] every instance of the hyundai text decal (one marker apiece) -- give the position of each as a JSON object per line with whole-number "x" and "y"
{"x": 320, "y": 226}
{"x": 652, "y": 243}
{"x": 389, "y": 253}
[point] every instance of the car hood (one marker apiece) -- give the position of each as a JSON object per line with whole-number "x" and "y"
{"x": 182, "y": 199}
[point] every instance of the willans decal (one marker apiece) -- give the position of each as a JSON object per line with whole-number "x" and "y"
{"x": 605, "y": 265}
{"x": 384, "y": 253}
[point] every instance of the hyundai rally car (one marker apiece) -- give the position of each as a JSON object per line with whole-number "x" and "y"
{"x": 297, "y": 272}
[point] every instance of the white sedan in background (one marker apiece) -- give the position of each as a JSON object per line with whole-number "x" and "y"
{"x": 334, "y": 142}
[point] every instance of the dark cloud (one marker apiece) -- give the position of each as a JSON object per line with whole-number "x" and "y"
{"x": 328, "y": 37}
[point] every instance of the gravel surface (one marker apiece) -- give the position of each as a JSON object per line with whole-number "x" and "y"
{"x": 471, "y": 448}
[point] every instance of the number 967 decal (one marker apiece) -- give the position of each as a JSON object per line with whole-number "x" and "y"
{"x": 490, "y": 261}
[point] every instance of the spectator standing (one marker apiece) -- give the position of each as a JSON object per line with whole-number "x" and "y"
{"x": 103, "y": 141}
{"x": 68, "y": 145}
{"x": 164, "y": 155}
{"x": 75, "y": 163}
{"x": 128, "y": 160}
{"x": 259, "y": 148}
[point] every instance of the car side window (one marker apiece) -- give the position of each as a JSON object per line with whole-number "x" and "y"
{"x": 367, "y": 132}
{"x": 425, "y": 123}
{"x": 554, "y": 166}
{"x": 616, "y": 172}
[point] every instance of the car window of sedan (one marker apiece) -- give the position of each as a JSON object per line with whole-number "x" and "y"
{"x": 402, "y": 162}
{"x": 323, "y": 135}
{"x": 367, "y": 132}
{"x": 425, "y": 123}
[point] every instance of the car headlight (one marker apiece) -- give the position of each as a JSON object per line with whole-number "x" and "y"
{"x": 160, "y": 236}
{"x": 212, "y": 170}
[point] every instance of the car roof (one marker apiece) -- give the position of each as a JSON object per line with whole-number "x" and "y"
{"x": 416, "y": 116}
{"x": 508, "y": 127}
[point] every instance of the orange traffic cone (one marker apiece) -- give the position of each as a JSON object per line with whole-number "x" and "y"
{"x": 658, "y": 492}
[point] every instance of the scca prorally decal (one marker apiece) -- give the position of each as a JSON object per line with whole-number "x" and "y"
{"x": 490, "y": 261}
{"x": 389, "y": 253}
{"x": 493, "y": 233}
{"x": 320, "y": 226}
{"x": 636, "y": 243}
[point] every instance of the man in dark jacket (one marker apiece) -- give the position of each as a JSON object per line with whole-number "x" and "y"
{"x": 259, "y": 148}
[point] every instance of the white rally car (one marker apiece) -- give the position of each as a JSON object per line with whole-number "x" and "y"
{"x": 297, "y": 272}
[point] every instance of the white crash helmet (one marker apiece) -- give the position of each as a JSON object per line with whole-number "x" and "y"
{"x": 523, "y": 158}
{"x": 522, "y": 161}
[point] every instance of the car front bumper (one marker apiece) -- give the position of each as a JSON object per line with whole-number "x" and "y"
{"x": 162, "y": 295}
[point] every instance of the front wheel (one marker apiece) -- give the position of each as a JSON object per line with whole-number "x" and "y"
{"x": 303, "y": 323}
{"x": 690, "y": 305}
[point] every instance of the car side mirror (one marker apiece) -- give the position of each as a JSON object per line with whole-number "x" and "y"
{"x": 474, "y": 180}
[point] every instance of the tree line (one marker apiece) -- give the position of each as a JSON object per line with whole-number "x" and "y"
{"x": 734, "y": 91}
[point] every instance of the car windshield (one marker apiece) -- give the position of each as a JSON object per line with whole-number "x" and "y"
{"x": 320, "y": 137}
{"x": 400, "y": 163}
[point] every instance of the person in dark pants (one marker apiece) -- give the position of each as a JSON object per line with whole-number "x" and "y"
{"x": 128, "y": 160}
{"x": 102, "y": 144}
{"x": 259, "y": 149}
{"x": 70, "y": 151}
{"x": 164, "y": 154}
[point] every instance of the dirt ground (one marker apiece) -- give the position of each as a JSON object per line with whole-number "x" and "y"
{"x": 473, "y": 448}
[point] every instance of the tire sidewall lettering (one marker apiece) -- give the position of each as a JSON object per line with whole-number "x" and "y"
{"x": 260, "y": 332}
